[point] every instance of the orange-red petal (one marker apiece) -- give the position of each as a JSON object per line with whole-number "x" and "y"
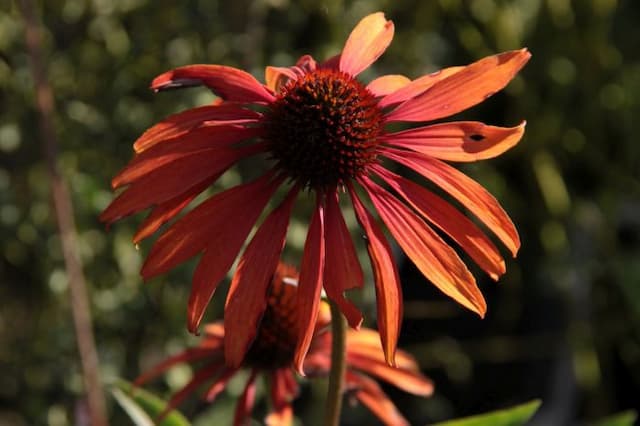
{"x": 247, "y": 296}
{"x": 416, "y": 87}
{"x": 244, "y": 406}
{"x": 433, "y": 257}
{"x": 368, "y": 40}
{"x": 229, "y": 83}
{"x": 310, "y": 285}
{"x": 229, "y": 225}
{"x": 387, "y": 84}
{"x": 181, "y": 123}
{"x": 448, "y": 219}
{"x": 409, "y": 381}
{"x": 166, "y": 211}
{"x": 463, "y": 89}
{"x": 281, "y": 395}
{"x": 201, "y": 141}
{"x": 200, "y": 377}
{"x": 386, "y": 279}
{"x": 342, "y": 269}
{"x": 219, "y": 384}
{"x": 188, "y": 355}
{"x": 467, "y": 191}
{"x": 366, "y": 342}
{"x": 173, "y": 180}
{"x": 371, "y": 395}
{"x": 211, "y": 219}
{"x": 458, "y": 141}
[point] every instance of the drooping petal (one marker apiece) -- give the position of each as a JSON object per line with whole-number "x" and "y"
{"x": 366, "y": 343}
{"x": 317, "y": 363}
{"x": 409, "y": 381}
{"x": 203, "y": 141}
{"x": 463, "y": 89}
{"x": 172, "y": 181}
{"x": 247, "y": 297}
{"x": 200, "y": 377}
{"x": 467, "y": 191}
{"x": 368, "y": 40}
{"x": 433, "y": 257}
{"x": 371, "y": 396}
{"x": 281, "y": 412}
{"x": 293, "y": 389}
{"x": 464, "y": 141}
{"x": 245, "y": 402}
{"x": 229, "y": 83}
{"x": 387, "y": 281}
{"x": 342, "y": 269}
{"x": 310, "y": 284}
{"x": 187, "y": 355}
{"x": 387, "y": 84}
{"x": 207, "y": 222}
{"x": 448, "y": 219}
{"x": 231, "y": 226}
{"x": 166, "y": 211}
{"x": 416, "y": 87}
{"x": 181, "y": 123}
{"x": 219, "y": 384}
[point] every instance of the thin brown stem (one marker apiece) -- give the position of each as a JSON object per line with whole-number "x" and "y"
{"x": 338, "y": 366}
{"x": 66, "y": 226}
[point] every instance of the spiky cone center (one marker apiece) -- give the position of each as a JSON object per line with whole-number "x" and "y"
{"x": 322, "y": 129}
{"x": 277, "y": 334}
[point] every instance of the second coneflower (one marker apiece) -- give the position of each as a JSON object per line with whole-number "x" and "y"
{"x": 271, "y": 355}
{"x": 323, "y": 131}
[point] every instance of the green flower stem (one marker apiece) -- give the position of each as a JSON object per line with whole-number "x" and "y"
{"x": 338, "y": 366}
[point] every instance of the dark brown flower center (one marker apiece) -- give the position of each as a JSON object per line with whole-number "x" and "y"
{"x": 277, "y": 335}
{"x": 322, "y": 128}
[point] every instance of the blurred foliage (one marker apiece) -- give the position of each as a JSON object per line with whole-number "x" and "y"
{"x": 143, "y": 407}
{"x": 563, "y": 324}
{"x": 628, "y": 418}
{"x": 513, "y": 416}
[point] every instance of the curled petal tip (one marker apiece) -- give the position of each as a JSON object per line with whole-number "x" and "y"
{"x": 163, "y": 83}
{"x": 299, "y": 368}
{"x": 192, "y": 325}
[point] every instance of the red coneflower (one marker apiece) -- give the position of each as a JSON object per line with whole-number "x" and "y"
{"x": 271, "y": 354}
{"x": 325, "y": 132}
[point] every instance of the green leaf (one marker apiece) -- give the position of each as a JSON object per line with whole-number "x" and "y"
{"x": 626, "y": 418}
{"x": 514, "y": 416}
{"x": 143, "y": 407}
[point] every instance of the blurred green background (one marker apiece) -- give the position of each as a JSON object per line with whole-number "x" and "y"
{"x": 563, "y": 324}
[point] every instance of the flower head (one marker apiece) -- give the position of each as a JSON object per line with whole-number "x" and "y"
{"x": 322, "y": 130}
{"x": 272, "y": 353}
